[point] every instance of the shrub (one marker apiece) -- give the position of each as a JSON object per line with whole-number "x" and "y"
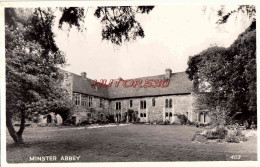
{"x": 231, "y": 138}
{"x": 110, "y": 118}
{"x": 207, "y": 124}
{"x": 197, "y": 124}
{"x": 201, "y": 124}
{"x": 85, "y": 122}
{"x": 138, "y": 120}
{"x": 183, "y": 118}
{"x": 212, "y": 135}
{"x": 200, "y": 137}
{"x": 166, "y": 122}
{"x": 221, "y": 132}
{"x": 176, "y": 123}
{"x": 68, "y": 122}
{"x": 189, "y": 122}
{"x": 218, "y": 132}
{"x": 235, "y": 136}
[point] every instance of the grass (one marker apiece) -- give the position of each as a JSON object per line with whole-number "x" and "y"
{"x": 133, "y": 143}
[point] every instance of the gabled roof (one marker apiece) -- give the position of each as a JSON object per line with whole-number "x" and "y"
{"x": 179, "y": 84}
{"x": 84, "y": 85}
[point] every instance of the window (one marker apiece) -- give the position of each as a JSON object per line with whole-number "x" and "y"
{"x": 143, "y": 104}
{"x": 84, "y": 102}
{"x": 101, "y": 105}
{"x": 131, "y": 103}
{"x": 118, "y": 105}
{"x": 170, "y": 114}
{"x": 144, "y": 114}
{"x": 77, "y": 99}
{"x": 153, "y": 102}
{"x": 166, "y": 114}
{"x": 168, "y": 103}
{"x": 141, "y": 115}
{"x": 90, "y": 100}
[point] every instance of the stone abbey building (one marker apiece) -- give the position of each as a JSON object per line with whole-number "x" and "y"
{"x": 150, "y": 104}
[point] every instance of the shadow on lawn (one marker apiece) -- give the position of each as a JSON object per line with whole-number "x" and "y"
{"x": 49, "y": 146}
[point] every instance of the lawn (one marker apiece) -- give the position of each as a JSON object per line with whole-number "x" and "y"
{"x": 124, "y": 144}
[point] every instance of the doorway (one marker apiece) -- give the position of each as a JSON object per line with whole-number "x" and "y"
{"x": 49, "y": 119}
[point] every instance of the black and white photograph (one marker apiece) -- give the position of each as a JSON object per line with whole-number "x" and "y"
{"x": 129, "y": 83}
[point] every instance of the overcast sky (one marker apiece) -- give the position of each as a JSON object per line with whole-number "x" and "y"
{"x": 172, "y": 34}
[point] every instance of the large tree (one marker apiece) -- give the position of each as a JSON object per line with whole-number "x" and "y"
{"x": 32, "y": 73}
{"x": 33, "y": 78}
{"x": 227, "y": 76}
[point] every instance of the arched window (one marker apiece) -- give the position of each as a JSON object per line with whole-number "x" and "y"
{"x": 153, "y": 102}
{"x": 166, "y": 103}
{"x": 131, "y": 103}
{"x": 141, "y": 115}
{"x": 144, "y": 114}
{"x": 166, "y": 114}
{"x": 118, "y": 105}
{"x": 170, "y": 114}
{"x": 141, "y": 104}
{"x": 170, "y": 103}
{"x": 201, "y": 117}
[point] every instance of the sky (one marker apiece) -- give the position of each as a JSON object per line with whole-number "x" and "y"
{"x": 172, "y": 34}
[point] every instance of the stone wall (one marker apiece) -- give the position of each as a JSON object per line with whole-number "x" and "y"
{"x": 181, "y": 104}
{"x": 95, "y": 111}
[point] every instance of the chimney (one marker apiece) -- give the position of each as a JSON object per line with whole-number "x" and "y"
{"x": 84, "y": 74}
{"x": 168, "y": 73}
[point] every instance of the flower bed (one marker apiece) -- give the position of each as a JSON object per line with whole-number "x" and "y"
{"x": 220, "y": 134}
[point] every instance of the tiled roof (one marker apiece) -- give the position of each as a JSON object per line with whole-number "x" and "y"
{"x": 84, "y": 85}
{"x": 179, "y": 84}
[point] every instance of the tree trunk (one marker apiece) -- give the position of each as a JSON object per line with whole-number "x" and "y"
{"x": 16, "y": 136}
{"x": 10, "y": 127}
{"x": 22, "y": 127}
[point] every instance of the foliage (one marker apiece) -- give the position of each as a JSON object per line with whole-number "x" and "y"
{"x": 110, "y": 118}
{"x": 250, "y": 10}
{"x": 225, "y": 79}
{"x": 166, "y": 122}
{"x": 33, "y": 58}
{"x": 199, "y": 137}
{"x": 183, "y": 118}
{"x": 235, "y": 136}
{"x": 218, "y": 132}
{"x": 32, "y": 75}
{"x": 119, "y": 22}
{"x": 72, "y": 16}
{"x": 85, "y": 122}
